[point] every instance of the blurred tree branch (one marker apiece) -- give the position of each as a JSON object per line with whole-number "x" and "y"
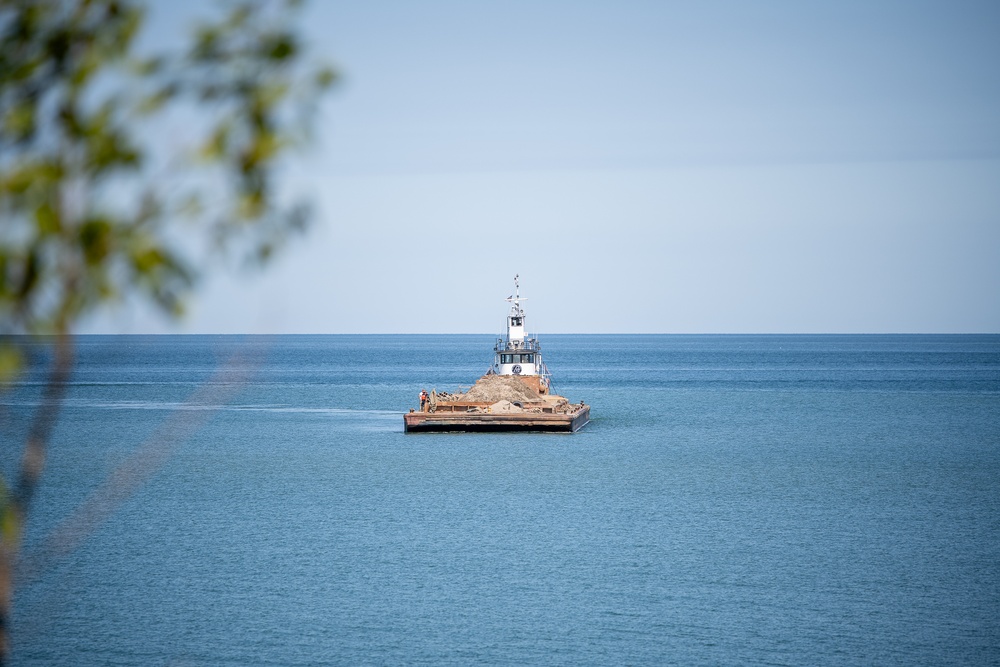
{"x": 94, "y": 196}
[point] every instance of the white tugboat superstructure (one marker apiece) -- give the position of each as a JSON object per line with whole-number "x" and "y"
{"x": 517, "y": 353}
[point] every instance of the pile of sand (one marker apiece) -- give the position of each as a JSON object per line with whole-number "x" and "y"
{"x": 495, "y": 388}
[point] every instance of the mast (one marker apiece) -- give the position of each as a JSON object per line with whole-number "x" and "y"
{"x": 515, "y": 321}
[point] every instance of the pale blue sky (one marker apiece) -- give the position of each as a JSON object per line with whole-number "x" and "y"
{"x": 645, "y": 167}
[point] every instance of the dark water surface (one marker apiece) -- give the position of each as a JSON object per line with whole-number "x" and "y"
{"x": 779, "y": 500}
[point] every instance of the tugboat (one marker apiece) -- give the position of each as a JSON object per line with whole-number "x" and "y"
{"x": 514, "y": 395}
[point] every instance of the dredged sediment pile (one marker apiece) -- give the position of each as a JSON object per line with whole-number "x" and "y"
{"x": 494, "y": 388}
{"x": 502, "y": 392}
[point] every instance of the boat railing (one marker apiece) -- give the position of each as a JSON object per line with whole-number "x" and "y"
{"x": 528, "y": 344}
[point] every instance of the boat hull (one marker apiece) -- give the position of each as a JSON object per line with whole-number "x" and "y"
{"x": 461, "y": 422}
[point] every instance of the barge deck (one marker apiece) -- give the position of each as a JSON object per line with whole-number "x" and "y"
{"x": 484, "y": 421}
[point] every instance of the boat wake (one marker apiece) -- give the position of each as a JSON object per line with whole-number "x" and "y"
{"x": 171, "y": 406}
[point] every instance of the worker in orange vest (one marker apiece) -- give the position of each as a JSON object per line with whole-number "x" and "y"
{"x": 423, "y": 399}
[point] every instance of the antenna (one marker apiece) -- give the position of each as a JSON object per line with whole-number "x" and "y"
{"x": 515, "y": 298}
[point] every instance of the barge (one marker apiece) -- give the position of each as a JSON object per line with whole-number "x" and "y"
{"x": 514, "y": 395}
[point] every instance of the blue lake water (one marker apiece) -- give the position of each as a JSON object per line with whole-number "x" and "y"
{"x": 779, "y": 500}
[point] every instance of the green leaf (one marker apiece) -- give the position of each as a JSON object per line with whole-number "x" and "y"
{"x": 46, "y": 219}
{"x": 280, "y": 47}
{"x": 29, "y": 276}
{"x": 10, "y": 522}
{"x": 152, "y": 103}
{"x": 19, "y": 120}
{"x": 325, "y": 77}
{"x": 96, "y": 239}
{"x": 10, "y": 363}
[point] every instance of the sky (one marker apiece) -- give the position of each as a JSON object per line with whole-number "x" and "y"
{"x": 645, "y": 167}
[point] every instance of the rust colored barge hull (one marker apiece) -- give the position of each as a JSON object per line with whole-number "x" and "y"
{"x": 463, "y": 422}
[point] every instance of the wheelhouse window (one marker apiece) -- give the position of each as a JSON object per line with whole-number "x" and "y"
{"x": 517, "y": 358}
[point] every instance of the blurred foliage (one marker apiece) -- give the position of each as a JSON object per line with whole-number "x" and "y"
{"x": 101, "y": 193}
{"x": 122, "y": 171}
